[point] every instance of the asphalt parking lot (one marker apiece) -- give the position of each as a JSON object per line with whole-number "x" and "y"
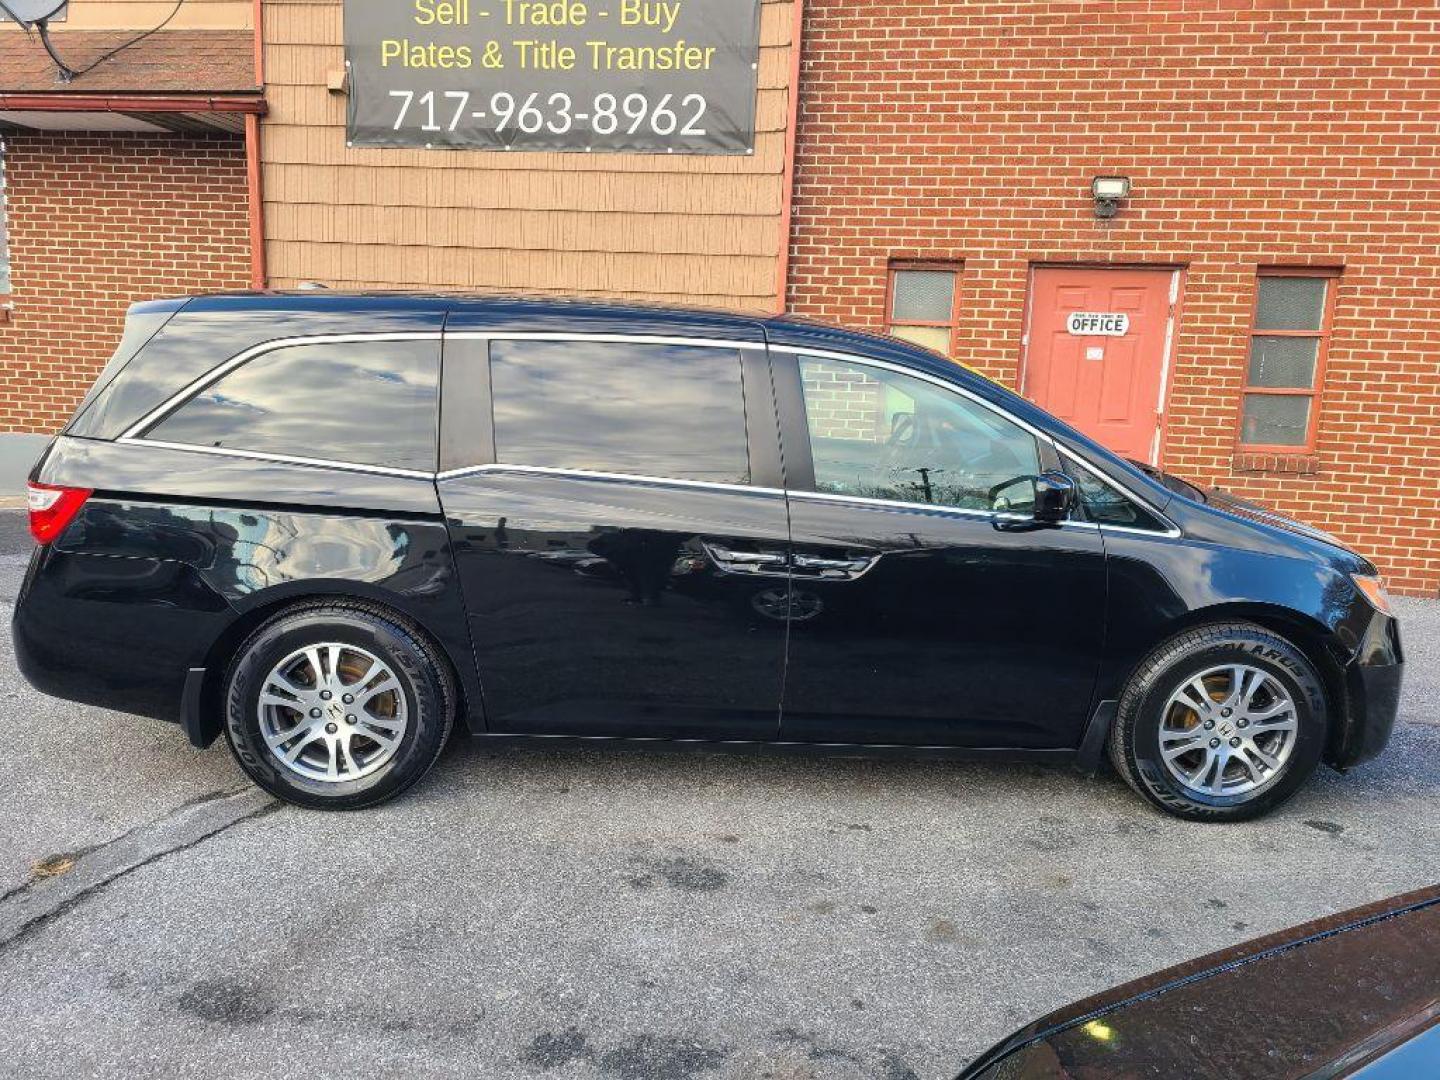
{"x": 620, "y": 915}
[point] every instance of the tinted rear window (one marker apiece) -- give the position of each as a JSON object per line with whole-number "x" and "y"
{"x": 368, "y": 402}
{"x": 209, "y": 331}
{"x": 648, "y": 410}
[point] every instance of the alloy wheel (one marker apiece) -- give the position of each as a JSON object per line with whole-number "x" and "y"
{"x": 1228, "y": 730}
{"x": 332, "y": 712}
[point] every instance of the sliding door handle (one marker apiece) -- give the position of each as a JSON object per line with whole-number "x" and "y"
{"x": 745, "y": 561}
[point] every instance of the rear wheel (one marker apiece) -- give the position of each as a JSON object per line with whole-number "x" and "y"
{"x": 337, "y": 706}
{"x": 1219, "y": 723}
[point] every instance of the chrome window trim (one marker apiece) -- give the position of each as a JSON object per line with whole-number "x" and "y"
{"x": 280, "y": 459}
{"x": 603, "y": 338}
{"x": 1172, "y": 533}
{"x": 1172, "y": 530}
{"x": 588, "y": 474}
{"x": 935, "y": 508}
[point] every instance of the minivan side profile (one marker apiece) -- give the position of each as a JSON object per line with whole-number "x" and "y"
{"x": 335, "y": 526}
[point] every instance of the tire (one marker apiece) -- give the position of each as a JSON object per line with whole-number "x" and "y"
{"x": 352, "y": 755}
{"x": 1154, "y": 716}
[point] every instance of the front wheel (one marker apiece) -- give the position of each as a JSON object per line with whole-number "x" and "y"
{"x": 1220, "y": 723}
{"x": 337, "y": 706}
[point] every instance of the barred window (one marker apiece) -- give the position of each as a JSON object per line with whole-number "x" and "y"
{"x": 923, "y": 304}
{"x": 1289, "y": 337}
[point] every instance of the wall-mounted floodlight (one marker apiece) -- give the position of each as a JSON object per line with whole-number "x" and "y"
{"x": 1109, "y": 192}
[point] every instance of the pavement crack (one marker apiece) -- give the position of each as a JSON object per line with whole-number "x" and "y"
{"x": 36, "y": 879}
{"x": 41, "y": 899}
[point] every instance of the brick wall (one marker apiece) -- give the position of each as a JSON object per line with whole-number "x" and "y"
{"x": 96, "y": 222}
{"x": 1255, "y": 131}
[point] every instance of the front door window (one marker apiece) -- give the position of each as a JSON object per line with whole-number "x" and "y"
{"x": 878, "y": 434}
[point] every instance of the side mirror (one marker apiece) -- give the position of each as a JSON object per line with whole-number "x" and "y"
{"x": 1055, "y": 496}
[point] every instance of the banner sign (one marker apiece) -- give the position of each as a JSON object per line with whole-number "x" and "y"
{"x": 635, "y": 76}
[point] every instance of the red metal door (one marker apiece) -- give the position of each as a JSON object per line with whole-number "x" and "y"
{"x": 1096, "y": 351}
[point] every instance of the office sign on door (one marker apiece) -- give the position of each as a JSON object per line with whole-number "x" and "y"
{"x": 640, "y": 76}
{"x": 1097, "y": 324}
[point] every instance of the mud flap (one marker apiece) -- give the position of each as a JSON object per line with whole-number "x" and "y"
{"x": 1092, "y": 743}
{"x": 202, "y": 730}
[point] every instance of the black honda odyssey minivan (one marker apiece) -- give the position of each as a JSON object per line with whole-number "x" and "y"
{"x": 333, "y": 527}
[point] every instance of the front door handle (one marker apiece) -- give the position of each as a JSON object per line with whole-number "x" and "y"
{"x": 833, "y": 568}
{"x": 814, "y": 562}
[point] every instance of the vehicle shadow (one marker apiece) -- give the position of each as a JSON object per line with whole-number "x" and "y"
{"x": 1409, "y": 768}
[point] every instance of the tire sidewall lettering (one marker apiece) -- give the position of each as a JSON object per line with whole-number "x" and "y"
{"x": 424, "y": 699}
{"x": 1179, "y": 660}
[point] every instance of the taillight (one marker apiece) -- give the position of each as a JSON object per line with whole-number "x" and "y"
{"x": 52, "y": 508}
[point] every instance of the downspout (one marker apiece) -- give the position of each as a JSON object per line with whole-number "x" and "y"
{"x": 782, "y": 269}
{"x": 258, "y": 18}
{"x": 257, "y": 208}
{"x": 252, "y": 160}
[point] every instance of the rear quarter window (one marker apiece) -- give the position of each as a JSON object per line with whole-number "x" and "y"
{"x": 363, "y": 402}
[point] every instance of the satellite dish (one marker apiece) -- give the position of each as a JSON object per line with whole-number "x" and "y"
{"x": 27, "y": 12}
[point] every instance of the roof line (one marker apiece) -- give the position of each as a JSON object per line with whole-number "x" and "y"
{"x": 67, "y": 101}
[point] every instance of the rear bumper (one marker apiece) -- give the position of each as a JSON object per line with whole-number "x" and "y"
{"x": 1372, "y": 685}
{"x": 118, "y": 633}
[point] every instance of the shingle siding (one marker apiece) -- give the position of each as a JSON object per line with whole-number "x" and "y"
{"x": 693, "y": 229}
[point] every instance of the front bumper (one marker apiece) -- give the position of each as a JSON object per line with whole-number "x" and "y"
{"x": 1372, "y": 687}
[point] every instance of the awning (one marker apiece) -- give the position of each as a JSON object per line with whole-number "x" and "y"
{"x": 177, "y": 81}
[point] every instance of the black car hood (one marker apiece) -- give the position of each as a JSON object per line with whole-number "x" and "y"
{"x": 1220, "y": 499}
{"x": 1321, "y": 999}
